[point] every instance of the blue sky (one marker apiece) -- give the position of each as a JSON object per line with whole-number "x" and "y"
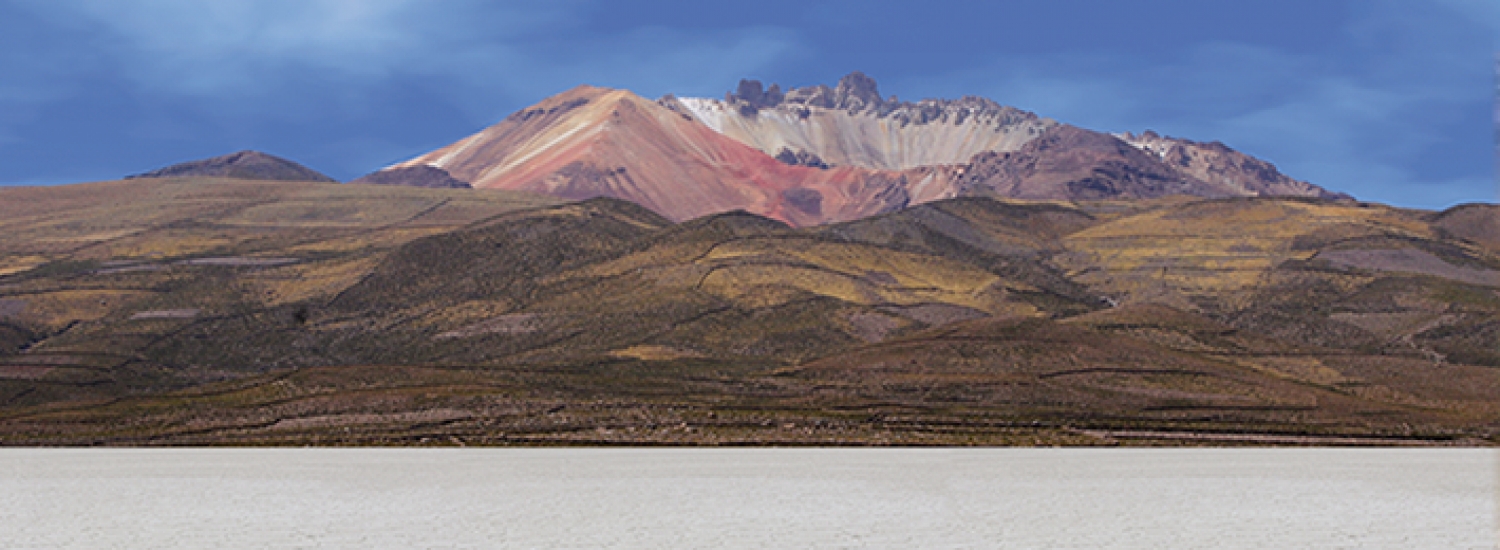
{"x": 1391, "y": 101}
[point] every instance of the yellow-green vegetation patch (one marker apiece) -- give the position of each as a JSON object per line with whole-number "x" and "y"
{"x": 1387, "y": 219}
{"x": 320, "y": 280}
{"x": 1311, "y": 370}
{"x": 895, "y": 268}
{"x": 461, "y": 211}
{"x": 16, "y": 264}
{"x": 675, "y": 275}
{"x": 87, "y": 235}
{"x": 853, "y": 273}
{"x": 383, "y": 238}
{"x": 733, "y": 280}
{"x": 332, "y": 213}
{"x": 1217, "y": 247}
{"x": 161, "y": 244}
{"x": 666, "y": 259}
{"x": 747, "y": 281}
{"x": 652, "y": 352}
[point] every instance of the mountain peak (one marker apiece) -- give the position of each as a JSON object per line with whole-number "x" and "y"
{"x": 858, "y": 85}
{"x": 851, "y": 125}
{"x": 858, "y": 93}
{"x": 751, "y": 93}
{"x": 855, "y": 92}
{"x": 250, "y": 165}
{"x": 816, "y": 154}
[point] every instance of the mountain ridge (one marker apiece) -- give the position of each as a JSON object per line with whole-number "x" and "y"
{"x": 817, "y": 155}
{"x": 835, "y": 124}
{"x": 1216, "y": 162}
{"x": 591, "y": 142}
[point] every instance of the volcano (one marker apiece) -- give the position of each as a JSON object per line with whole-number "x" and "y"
{"x": 817, "y": 155}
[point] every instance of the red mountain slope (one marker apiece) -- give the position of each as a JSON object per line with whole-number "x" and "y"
{"x": 591, "y": 142}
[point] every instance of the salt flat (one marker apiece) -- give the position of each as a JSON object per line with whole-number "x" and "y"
{"x": 748, "y": 498}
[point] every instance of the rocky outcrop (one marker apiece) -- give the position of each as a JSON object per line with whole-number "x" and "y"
{"x": 415, "y": 176}
{"x": 1071, "y": 163}
{"x": 751, "y": 94}
{"x": 800, "y": 158}
{"x": 858, "y": 93}
{"x": 851, "y": 125}
{"x": 250, "y": 165}
{"x": 1216, "y": 163}
{"x": 1068, "y": 162}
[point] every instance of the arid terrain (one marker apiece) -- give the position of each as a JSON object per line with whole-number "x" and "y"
{"x": 201, "y": 310}
{"x": 816, "y": 265}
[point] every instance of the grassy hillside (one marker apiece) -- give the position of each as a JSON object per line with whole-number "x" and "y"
{"x": 224, "y": 311}
{"x": 97, "y": 275}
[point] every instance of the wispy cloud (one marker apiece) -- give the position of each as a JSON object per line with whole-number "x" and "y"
{"x": 230, "y": 46}
{"x": 648, "y": 60}
{"x": 348, "y": 85}
{"x": 236, "y": 48}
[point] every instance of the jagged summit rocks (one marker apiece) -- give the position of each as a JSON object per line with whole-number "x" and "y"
{"x": 855, "y": 92}
{"x": 820, "y": 154}
{"x": 751, "y": 95}
{"x": 859, "y": 93}
{"x": 250, "y": 165}
{"x": 851, "y": 125}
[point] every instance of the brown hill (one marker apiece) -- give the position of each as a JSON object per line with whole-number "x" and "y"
{"x": 186, "y": 311}
{"x": 249, "y": 165}
{"x": 1477, "y": 223}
